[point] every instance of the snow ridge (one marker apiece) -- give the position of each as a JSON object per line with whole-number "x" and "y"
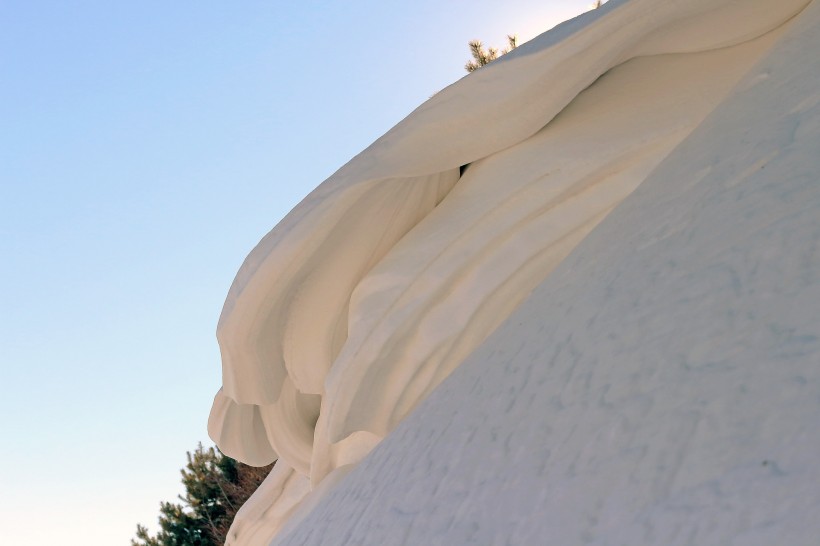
{"x": 393, "y": 271}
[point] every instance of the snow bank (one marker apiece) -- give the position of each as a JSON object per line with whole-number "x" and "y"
{"x": 393, "y": 271}
{"x": 662, "y": 385}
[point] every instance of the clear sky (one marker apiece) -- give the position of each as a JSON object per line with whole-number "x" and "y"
{"x": 145, "y": 147}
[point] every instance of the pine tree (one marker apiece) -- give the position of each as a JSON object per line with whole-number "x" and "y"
{"x": 216, "y": 486}
{"x": 482, "y": 57}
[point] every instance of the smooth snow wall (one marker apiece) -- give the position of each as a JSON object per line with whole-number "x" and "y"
{"x": 662, "y": 385}
{"x": 389, "y": 275}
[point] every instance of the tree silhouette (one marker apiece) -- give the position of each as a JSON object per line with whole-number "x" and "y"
{"x": 482, "y": 57}
{"x": 216, "y": 486}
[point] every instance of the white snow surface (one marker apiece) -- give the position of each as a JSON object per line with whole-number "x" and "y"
{"x": 652, "y": 371}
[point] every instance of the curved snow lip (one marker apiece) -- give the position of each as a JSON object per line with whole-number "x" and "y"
{"x": 298, "y": 297}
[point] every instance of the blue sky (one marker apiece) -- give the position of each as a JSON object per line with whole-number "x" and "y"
{"x": 145, "y": 148}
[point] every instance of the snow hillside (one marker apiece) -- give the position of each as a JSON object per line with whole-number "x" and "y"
{"x": 662, "y": 386}
{"x": 643, "y": 248}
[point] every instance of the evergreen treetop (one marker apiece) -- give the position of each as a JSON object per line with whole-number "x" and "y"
{"x": 216, "y": 486}
{"x": 482, "y": 57}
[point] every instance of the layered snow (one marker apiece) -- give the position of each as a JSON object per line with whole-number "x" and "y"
{"x": 664, "y": 374}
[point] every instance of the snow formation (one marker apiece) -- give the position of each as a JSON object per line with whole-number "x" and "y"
{"x": 653, "y": 375}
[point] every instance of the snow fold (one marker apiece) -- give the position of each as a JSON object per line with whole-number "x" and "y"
{"x": 389, "y": 274}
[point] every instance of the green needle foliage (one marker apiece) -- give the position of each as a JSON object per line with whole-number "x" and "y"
{"x": 216, "y": 486}
{"x": 482, "y": 57}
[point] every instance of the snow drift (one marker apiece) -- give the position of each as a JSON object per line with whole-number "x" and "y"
{"x": 394, "y": 272}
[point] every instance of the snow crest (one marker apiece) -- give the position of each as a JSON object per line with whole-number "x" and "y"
{"x": 394, "y": 270}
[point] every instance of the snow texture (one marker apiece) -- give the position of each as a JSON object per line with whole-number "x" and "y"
{"x": 661, "y": 385}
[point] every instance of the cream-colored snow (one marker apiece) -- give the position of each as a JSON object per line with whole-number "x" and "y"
{"x": 661, "y": 385}
{"x": 392, "y": 272}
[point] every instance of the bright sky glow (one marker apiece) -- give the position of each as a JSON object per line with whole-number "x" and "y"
{"x": 145, "y": 148}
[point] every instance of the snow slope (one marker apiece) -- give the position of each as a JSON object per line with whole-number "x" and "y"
{"x": 662, "y": 386}
{"x": 659, "y": 386}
